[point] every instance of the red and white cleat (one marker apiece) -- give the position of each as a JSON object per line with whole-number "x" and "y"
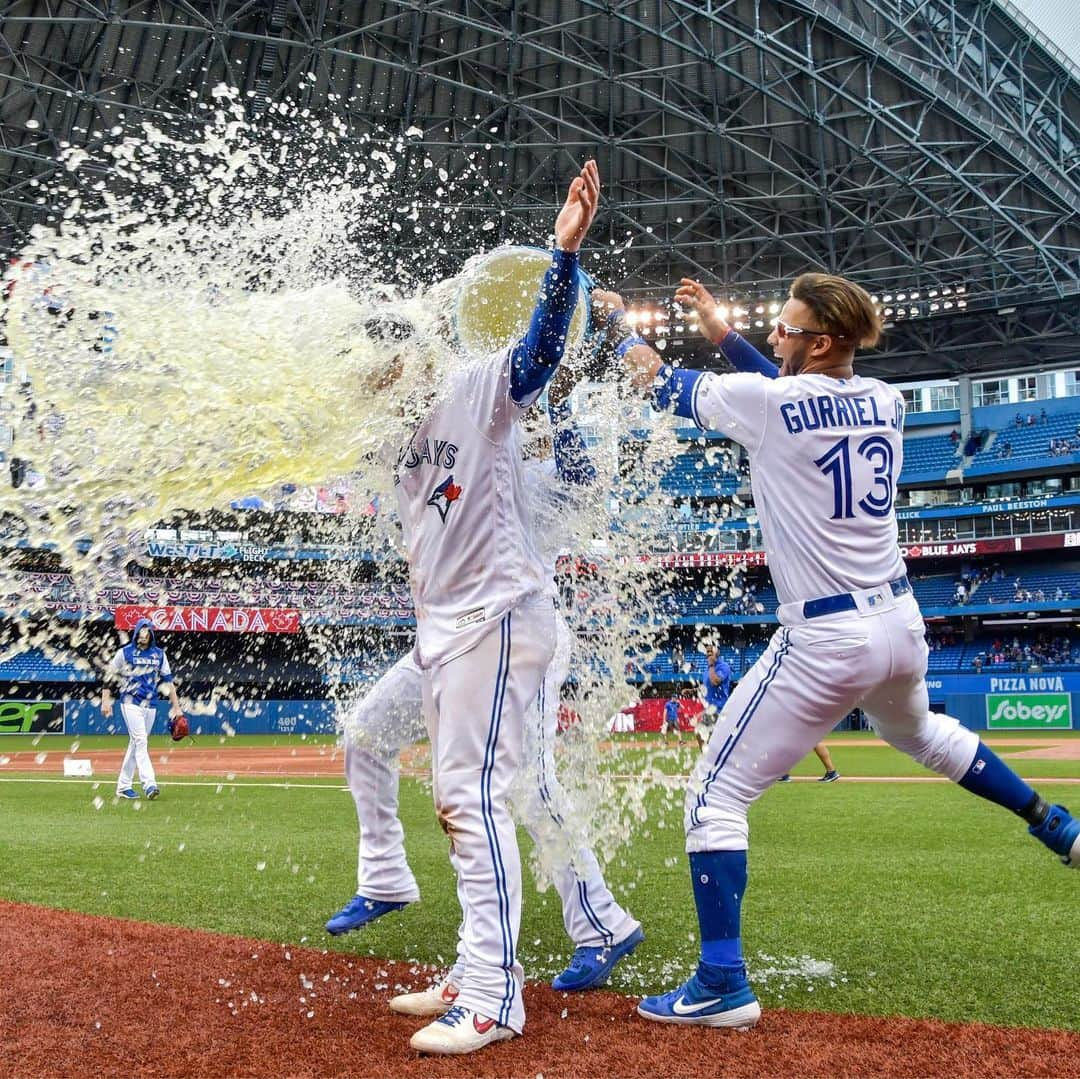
{"x": 437, "y": 1000}
{"x": 459, "y": 1031}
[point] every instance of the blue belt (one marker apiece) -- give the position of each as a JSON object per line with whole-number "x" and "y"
{"x": 817, "y": 608}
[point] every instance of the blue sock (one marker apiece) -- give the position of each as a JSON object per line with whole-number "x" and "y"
{"x": 719, "y": 879}
{"x": 991, "y": 778}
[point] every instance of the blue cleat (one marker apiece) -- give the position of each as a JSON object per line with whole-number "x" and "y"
{"x": 358, "y": 912}
{"x": 1061, "y": 833}
{"x": 694, "y": 1004}
{"x": 129, "y": 794}
{"x": 830, "y": 777}
{"x": 151, "y": 793}
{"x": 590, "y": 967}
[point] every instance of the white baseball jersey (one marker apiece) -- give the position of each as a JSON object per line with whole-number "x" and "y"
{"x": 825, "y": 455}
{"x": 467, "y": 526}
{"x": 551, "y": 503}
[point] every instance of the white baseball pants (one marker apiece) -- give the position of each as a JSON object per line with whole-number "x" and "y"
{"x": 812, "y": 674}
{"x": 390, "y": 717}
{"x": 376, "y": 729}
{"x": 477, "y": 730}
{"x": 139, "y": 720}
{"x": 591, "y": 915}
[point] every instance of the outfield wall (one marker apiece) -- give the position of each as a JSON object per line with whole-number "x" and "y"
{"x": 1009, "y": 702}
{"x": 78, "y": 717}
{"x": 1020, "y": 702}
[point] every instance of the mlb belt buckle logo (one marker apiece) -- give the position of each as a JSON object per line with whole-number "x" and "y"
{"x": 874, "y": 599}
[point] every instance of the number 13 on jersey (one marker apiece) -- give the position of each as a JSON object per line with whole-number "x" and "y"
{"x": 836, "y": 463}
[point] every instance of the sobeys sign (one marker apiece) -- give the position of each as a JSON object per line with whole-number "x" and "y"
{"x": 31, "y": 717}
{"x": 1029, "y": 711}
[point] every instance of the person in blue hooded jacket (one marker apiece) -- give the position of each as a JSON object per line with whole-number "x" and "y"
{"x": 139, "y": 670}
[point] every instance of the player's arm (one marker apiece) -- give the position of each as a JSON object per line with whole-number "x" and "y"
{"x": 640, "y": 360}
{"x": 735, "y": 349}
{"x": 734, "y": 404}
{"x": 536, "y": 356}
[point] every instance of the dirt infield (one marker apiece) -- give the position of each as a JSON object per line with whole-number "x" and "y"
{"x": 100, "y": 996}
{"x": 309, "y": 762}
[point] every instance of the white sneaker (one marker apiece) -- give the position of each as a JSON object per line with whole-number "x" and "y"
{"x": 437, "y": 1000}
{"x": 459, "y": 1031}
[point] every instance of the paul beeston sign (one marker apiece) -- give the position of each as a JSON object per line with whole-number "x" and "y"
{"x": 212, "y": 619}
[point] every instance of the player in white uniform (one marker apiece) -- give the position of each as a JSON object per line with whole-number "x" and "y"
{"x": 485, "y": 627}
{"x": 389, "y": 718}
{"x": 138, "y": 669}
{"x": 826, "y": 448}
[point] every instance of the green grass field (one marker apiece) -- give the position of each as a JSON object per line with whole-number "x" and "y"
{"x": 912, "y": 899}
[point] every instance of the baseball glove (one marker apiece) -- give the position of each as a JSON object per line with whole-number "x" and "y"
{"x": 178, "y": 728}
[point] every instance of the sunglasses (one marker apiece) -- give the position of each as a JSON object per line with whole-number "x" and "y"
{"x": 785, "y": 329}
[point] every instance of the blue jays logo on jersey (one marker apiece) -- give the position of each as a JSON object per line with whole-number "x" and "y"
{"x": 444, "y": 496}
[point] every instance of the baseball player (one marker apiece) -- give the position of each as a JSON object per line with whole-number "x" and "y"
{"x": 138, "y": 669}
{"x": 826, "y": 448}
{"x": 485, "y": 627}
{"x": 671, "y": 720}
{"x": 717, "y": 688}
{"x": 389, "y": 718}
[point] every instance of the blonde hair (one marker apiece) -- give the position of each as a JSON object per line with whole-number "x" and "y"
{"x": 842, "y": 308}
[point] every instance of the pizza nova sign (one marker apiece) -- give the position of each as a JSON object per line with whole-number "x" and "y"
{"x": 211, "y": 619}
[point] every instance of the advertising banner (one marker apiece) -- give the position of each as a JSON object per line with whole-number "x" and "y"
{"x": 31, "y": 717}
{"x": 1029, "y": 712}
{"x": 212, "y": 619}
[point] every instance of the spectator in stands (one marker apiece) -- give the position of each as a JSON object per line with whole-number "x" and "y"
{"x": 677, "y": 657}
{"x": 960, "y": 598}
{"x": 1019, "y": 420}
{"x": 1031, "y": 419}
{"x": 954, "y": 437}
{"x": 1059, "y": 594}
{"x": 1043, "y": 418}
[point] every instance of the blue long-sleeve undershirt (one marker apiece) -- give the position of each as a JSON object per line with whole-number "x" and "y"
{"x": 536, "y": 356}
{"x": 573, "y": 465}
{"x": 744, "y": 357}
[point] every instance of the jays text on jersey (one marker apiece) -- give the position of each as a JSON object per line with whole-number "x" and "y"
{"x": 464, "y": 512}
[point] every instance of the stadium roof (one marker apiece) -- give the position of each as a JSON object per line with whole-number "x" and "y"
{"x": 909, "y": 144}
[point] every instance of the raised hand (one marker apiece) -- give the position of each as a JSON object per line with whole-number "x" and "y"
{"x": 579, "y": 209}
{"x": 604, "y": 302}
{"x": 695, "y": 296}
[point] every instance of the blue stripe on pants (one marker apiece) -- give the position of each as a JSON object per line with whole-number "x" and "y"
{"x": 594, "y": 920}
{"x": 499, "y": 697}
{"x": 741, "y": 724}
